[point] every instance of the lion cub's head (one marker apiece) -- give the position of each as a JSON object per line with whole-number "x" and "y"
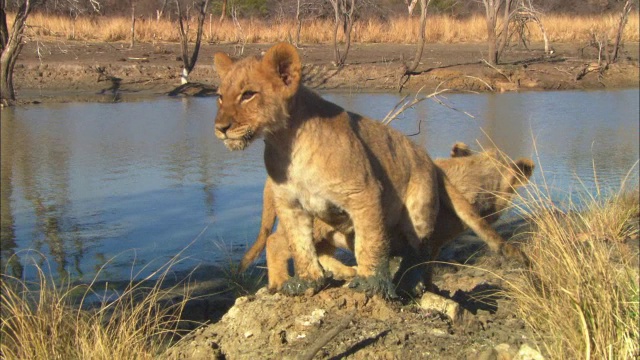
{"x": 488, "y": 179}
{"x": 254, "y": 94}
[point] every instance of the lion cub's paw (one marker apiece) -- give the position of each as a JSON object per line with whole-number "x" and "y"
{"x": 296, "y": 286}
{"x": 374, "y": 285}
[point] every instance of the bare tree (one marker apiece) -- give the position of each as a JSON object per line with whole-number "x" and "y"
{"x": 497, "y": 38}
{"x": 410, "y": 6}
{"x": 12, "y": 40}
{"x": 160, "y": 12}
{"x": 223, "y": 12}
{"x": 525, "y": 13}
{"x": 189, "y": 60}
{"x": 343, "y": 11}
{"x": 11, "y": 43}
{"x": 298, "y": 24}
{"x": 624, "y": 15}
{"x": 411, "y": 68}
{"x": 133, "y": 23}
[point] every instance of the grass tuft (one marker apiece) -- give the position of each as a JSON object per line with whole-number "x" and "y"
{"x": 581, "y": 296}
{"x": 46, "y": 320}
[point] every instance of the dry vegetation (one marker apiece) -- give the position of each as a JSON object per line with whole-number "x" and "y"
{"x": 443, "y": 29}
{"x": 44, "y": 320}
{"x": 582, "y": 295}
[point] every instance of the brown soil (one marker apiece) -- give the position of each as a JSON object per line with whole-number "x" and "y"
{"x": 479, "y": 323}
{"x": 56, "y": 71}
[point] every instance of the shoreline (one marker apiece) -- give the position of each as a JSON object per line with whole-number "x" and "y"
{"x": 102, "y": 72}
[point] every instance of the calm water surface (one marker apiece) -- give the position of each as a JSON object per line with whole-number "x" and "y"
{"x": 130, "y": 185}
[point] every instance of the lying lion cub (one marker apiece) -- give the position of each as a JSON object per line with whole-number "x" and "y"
{"x": 488, "y": 181}
{"x": 353, "y": 173}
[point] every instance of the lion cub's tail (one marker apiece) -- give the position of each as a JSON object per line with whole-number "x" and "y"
{"x": 266, "y": 226}
{"x": 454, "y": 200}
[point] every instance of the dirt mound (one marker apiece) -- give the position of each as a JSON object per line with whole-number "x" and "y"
{"x": 471, "y": 321}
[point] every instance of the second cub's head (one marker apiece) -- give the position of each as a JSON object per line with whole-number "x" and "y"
{"x": 254, "y": 94}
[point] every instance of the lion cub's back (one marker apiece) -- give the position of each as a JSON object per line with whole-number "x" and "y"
{"x": 392, "y": 149}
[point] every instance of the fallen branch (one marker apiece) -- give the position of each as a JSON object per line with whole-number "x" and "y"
{"x": 498, "y": 70}
{"x": 405, "y": 104}
{"x": 328, "y": 336}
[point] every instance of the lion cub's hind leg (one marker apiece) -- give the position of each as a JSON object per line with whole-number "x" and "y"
{"x": 278, "y": 255}
{"x": 338, "y": 270}
{"x": 417, "y": 227}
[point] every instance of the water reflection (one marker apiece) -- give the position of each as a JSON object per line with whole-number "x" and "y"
{"x": 84, "y": 183}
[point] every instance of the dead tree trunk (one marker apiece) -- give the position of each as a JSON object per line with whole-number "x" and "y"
{"x": 223, "y": 13}
{"x": 504, "y": 33}
{"x": 411, "y": 68}
{"x": 189, "y": 60}
{"x": 410, "y": 6}
{"x": 497, "y": 40}
{"x": 343, "y": 15}
{"x": 298, "y": 24}
{"x": 160, "y": 12}
{"x": 624, "y": 15}
{"x": 133, "y": 24}
{"x": 10, "y": 45}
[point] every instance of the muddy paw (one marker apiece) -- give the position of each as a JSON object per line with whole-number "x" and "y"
{"x": 413, "y": 290}
{"x": 296, "y": 286}
{"x": 374, "y": 285}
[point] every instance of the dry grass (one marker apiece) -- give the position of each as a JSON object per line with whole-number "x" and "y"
{"x": 582, "y": 295}
{"x": 47, "y": 321}
{"x": 441, "y": 29}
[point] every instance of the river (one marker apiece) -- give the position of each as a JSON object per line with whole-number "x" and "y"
{"x": 119, "y": 189}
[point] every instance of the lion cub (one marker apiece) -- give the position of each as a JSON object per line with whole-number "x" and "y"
{"x": 486, "y": 179}
{"x": 325, "y": 163}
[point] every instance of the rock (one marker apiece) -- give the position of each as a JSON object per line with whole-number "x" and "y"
{"x": 526, "y": 352}
{"x": 488, "y": 354}
{"x": 499, "y": 352}
{"x": 314, "y": 319}
{"x": 505, "y": 352}
{"x": 450, "y": 308}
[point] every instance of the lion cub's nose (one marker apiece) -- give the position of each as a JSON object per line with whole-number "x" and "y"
{"x": 222, "y": 128}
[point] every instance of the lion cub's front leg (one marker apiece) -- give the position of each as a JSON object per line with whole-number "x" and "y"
{"x": 298, "y": 227}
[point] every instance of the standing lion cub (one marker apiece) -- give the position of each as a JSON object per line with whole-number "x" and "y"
{"x": 353, "y": 173}
{"x": 486, "y": 179}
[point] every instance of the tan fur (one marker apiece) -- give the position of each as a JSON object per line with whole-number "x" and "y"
{"x": 488, "y": 181}
{"x": 370, "y": 180}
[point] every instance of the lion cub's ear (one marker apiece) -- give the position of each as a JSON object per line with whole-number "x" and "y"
{"x": 222, "y": 63}
{"x": 460, "y": 149}
{"x": 523, "y": 169}
{"x": 283, "y": 59}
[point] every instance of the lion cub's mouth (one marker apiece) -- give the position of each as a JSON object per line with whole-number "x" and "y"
{"x": 240, "y": 143}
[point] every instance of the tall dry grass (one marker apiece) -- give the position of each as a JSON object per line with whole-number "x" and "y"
{"x": 440, "y": 29}
{"x": 46, "y": 320}
{"x": 582, "y": 294}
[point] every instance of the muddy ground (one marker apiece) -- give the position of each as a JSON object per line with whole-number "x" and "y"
{"x": 469, "y": 318}
{"x": 66, "y": 71}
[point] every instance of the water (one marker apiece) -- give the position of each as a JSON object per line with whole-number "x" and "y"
{"x": 120, "y": 189}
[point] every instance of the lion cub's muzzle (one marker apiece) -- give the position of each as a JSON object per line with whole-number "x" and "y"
{"x": 235, "y": 138}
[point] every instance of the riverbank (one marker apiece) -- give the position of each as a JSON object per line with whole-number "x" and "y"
{"x": 68, "y": 71}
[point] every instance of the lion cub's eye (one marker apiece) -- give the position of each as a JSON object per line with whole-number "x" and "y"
{"x": 247, "y": 95}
